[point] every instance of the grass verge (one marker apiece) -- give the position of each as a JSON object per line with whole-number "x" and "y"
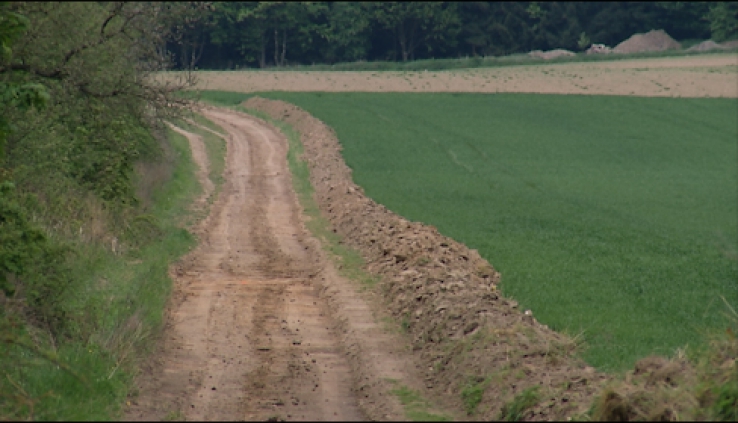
{"x": 202, "y": 120}
{"x": 113, "y": 310}
{"x": 416, "y": 407}
{"x": 215, "y": 147}
{"x": 472, "y": 394}
{"x": 515, "y": 409}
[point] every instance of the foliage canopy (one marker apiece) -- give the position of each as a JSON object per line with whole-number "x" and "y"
{"x": 265, "y": 34}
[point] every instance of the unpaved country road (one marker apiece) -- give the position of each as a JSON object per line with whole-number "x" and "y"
{"x": 250, "y": 332}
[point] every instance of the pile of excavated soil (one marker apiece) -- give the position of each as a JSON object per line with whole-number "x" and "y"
{"x": 654, "y": 40}
{"x": 706, "y": 46}
{"x": 552, "y": 54}
{"x": 464, "y": 333}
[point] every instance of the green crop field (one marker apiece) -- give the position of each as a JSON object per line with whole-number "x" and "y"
{"x": 610, "y": 217}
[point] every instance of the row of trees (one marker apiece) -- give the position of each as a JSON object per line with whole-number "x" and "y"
{"x": 263, "y": 34}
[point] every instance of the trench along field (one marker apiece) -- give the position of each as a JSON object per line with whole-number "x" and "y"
{"x": 260, "y": 325}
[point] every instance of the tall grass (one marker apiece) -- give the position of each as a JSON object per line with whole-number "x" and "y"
{"x": 611, "y": 216}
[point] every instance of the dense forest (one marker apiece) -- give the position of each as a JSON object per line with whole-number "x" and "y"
{"x": 268, "y": 34}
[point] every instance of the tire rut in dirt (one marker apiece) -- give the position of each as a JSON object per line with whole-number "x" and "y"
{"x": 301, "y": 371}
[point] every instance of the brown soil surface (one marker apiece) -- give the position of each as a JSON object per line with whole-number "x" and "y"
{"x": 709, "y": 75}
{"x": 706, "y": 46}
{"x": 463, "y": 332}
{"x": 655, "y": 40}
{"x": 552, "y": 54}
{"x": 260, "y": 325}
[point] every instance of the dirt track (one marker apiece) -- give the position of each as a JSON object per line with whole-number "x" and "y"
{"x": 260, "y": 325}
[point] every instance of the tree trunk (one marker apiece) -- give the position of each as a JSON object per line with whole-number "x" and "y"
{"x": 284, "y": 47}
{"x": 161, "y": 50}
{"x": 262, "y": 58}
{"x": 403, "y": 41}
{"x": 183, "y": 55}
{"x": 197, "y": 49}
{"x": 412, "y": 44}
{"x": 276, "y": 47}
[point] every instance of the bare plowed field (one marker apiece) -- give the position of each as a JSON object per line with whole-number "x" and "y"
{"x": 694, "y": 76}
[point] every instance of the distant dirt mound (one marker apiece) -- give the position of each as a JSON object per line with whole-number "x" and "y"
{"x": 445, "y": 295}
{"x": 730, "y": 44}
{"x": 706, "y": 46}
{"x": 552, "y": 54}
{"x": 654, "y": 40}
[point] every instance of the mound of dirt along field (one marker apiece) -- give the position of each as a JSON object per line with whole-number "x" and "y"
{"x": 706, "y": 46}
{"x": 654, "y": 40}
{"x": 552, "y": 54}
{"x": 479, "y": 352}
